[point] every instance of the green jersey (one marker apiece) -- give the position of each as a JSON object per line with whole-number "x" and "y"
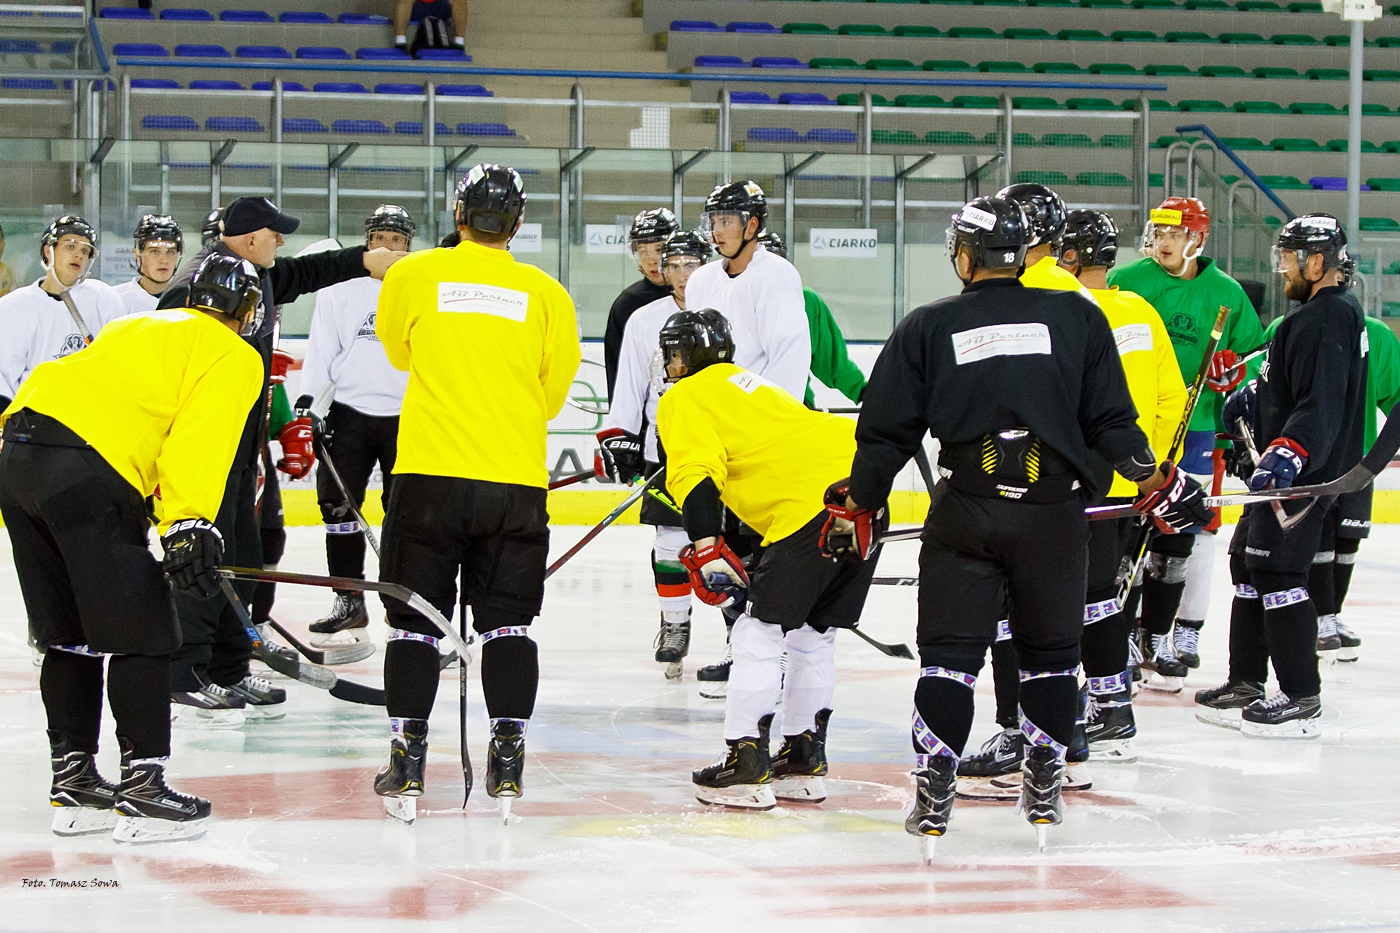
{"x": 830, "y": 363}
{"x": 1189, "y": 308}
{"x": 281, "y": 414}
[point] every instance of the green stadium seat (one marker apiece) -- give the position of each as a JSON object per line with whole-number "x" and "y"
{"x": 1134, "y": 35}
{"x": 1201, "y": 106}
{"x": 949, "y": 138}
{"x": 1103, "y": 179}
{"x": 1162, "y": 142}
{"x": 862, "y": 29}
{"x": 1020, "y": 140}
{"x": 1337, "y": 40}
{"x": 1057, "y": 68}
{"x": 1156, "y": 179}
{"x": 1154, "y": 4}
{"x": 1167, "y": 70}
{"x": 1389, "y": 42}
{"x": 1042, "y": 178}
{"x": 1207, "y": 5}
{"x": 1067, "y": 140}
{"x": 1379, "y": 224}
{"x": 1050, "y": 3}
{"x": 1340, "y": 145}
{"x": 1259, "y": 106}
{"x": 1295, "y": 144}
{"x": 1104, "y": 4}
{"x": 1305, "y": 6}
{"x": 1082, "y": 35}
{"x": 1112, "y": 68}
{"x": 1245, "y": 143}
{"x": 919, "y": 100}
{"x": 1116, "y": 140}
{"x": 996, "y": 2}
{"x": 975, "y": 102}
{"x": 853, "y": 100}
{"x": 1035, "y": 103}
{"x": 894, "y": 137}
{"x": 972, "y": 32}
{"x": 1285, "y": 183}
{"x": 1380, "y": 74}
{"x": 1241, "y": 38}
{"x": 891, "y": 64}
{"x": 1021, "y": 32}
{"x": 1276, "y": 72}
{"x": 1292, "y": 38}
{"x": 1223, "y": 71}
{"x": 1189, "y": 36}
{"x": 1384, "y": 184}
{"x": 1252, "y": 6}
{"x": 1392, "y": 145}
{"x": 1153, "y": 103}
{"x": 807, "y": 29}
{"x": 1314, "y": 107}
{"x": 830, "y": 63}
{"x": 1328, "y": 74}
{"x": 1371, "y": 110}
{"x": 947, "y": 64}
{"x": 1090, "y": 103}
{"x": 1002, "y": 67}
{"x": 917, "y": 32}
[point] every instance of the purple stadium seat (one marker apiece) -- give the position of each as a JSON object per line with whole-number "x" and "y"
{"x": 20, "y": 47}
{"x": 362, "y": 19}
{"x": 262, "y": 51}
{"x": 233, "y": 125}
{"x": 443, "y": 55}
{"x": 305, "y": 16}
{"x": 374, "y": 127}
{"x": 246, "y": 16}
{"x": 794, "y": 98}
{"x": 29, "y": 84}
{"x": 760, "y": 28}
{"x": 463, "y": 90}
{"x": 777, "y": 61}
{"x": 398, "y": 89}
{"x": 840, "y": 137}
{"x": 484, "y": 129}
{"x": 323, "y": 53}
{"x": 207, "y": 84}
{"x": 694, "y": 25}
{"x": 339, "y": 87}
{"x": 164, "y": 84}
{"x": 286, "y": 86}
{"x": 749, "y": 97}
{"x": 187, "y": 15}
{"x": 303, "y": 125}
{"x": 197, "y": 50}
{"x": 181, "y": 124}
{"x": 774, "y": 134}
{"x": 719, "y": 61}
{"x": 415, "y": 128}
{"x": 125, "y": 12}
{"x": 383, "y": 55}
{"x": 139, "y": 50}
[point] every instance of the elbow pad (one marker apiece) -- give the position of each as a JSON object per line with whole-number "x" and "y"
{"x": 1138, "y": 467}
{"x": 701, "y": 513}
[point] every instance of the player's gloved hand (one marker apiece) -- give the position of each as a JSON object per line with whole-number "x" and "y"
{"x": 849, "y": 532}
{"x": 1279, "y": 466}
{"x": 1239, "y": 463}
{"x": 193, "y": 551}
{"x": 1225, "y": 372}
{"x": 1178, "y": 504}
{"x": 716, "y": 573}
{"x": 281, "y": 362}
{"x": 320, "y": 431}
{"x": 620, "y": 457}
{"x": 298, "y": 451}
{"x": 1239, "y": 405}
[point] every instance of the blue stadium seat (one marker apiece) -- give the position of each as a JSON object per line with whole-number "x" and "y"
{"x": 181, "y": 124}
{"x": 463, "y": 90}
{"x": 303, "y": 125}
{"x": 749, "y": 97}
{"x": 398, "y": 89}
{"x": 339, "y": 87}
{"x": 233, "y": 125}
{"x": 777, "y": 61}
{"x": 125, "y": 12}
{"x": 214, "y": 84}
{"x": 759, "y": 28}
{"x": 187, "y": 15}
{"x": 306, "y": 16}
{"x": 262, "y": 51}
{"x": 484, "y": 129}
{"x": 20, "y": 47}
{"x": 840, "y": 137}
{"x": 362, "y": 19}
{"x": 695, "y": 25}
{"x": 383, "y": 55}
{"x": 29, "y": 84}
{"x": 375, "y": 127}
{"x": 198, "y": 50}
{"x": 796, "y": 98}
{"x": 719, "y": 61}
{"x": 774, "y": 134}
{"x": 286, "y": 86}
{"x": 323, "y": 53}
{"x": 164, "y": 84}
{"x": 246, "y": 16}
{"x": 63, "y": 47}
{"x": 415, "y": 128}
{"x": 139, "y": 49}
{"x": 443, "y": 55}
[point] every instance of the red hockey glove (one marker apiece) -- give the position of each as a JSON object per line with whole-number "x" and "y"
{"x": 1178, "y": 504}
{"x": 193, "y": 551}
{"x": 716, "y": 573}
{"x": 281, "y": 362}
{"x": 849, "y": 532}
{"x": 298, "y": 450}
{"x": 620, "y": 457}
{"x": 1225, "y": 371}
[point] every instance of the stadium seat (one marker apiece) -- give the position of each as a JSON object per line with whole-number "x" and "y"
{"x": 1372, "y": 110}
{"x": 1380, "y": 74}
{"x": 1201, "y": 106}
{"x": 802, "y": 29}
{"x": 1082, "y": 35}
{"x": 123, "y": 12}
{"x": 362, "y": 19}
{"x": 1112, "y": 68}
{"x": 484, "y": 129}
{"x": 443, "y": 55}
{"x": 1337, "y": 40}
{"x": 176, "y": 123}
{"x": 1002, "y": 67}
{"x": 463, "y": 90}
{"x": 947, "y": 64}
{"x": 303, "y": 125}
{"x": 339, "y": 87}
{"x": 1067, "y": 140}
{"x": 838, "y": 137}
{"x": 777, "y": 61}
{"x": 1305, "y": 6}
{"x": 323, "y": 53}
{"x": 1328, "y": 74}
{"x": 233, "y": 125}
{"x": 197, "y": 50}
{"x": 1019, "y": 140}
{"x": 309, "y": 17}
{"x": 1222, "y": 71}
{"x": 866, "y": 29}
{"x": 1035, "y": 103}
{"x": 1259, "y": 106}
{"x": 1392, "y": 145}
{"x": 1167, "y": 70}
{"x": 415, "y": 128}
{"x": 972, "y": 32}
{"x": 749, "y": 97}
{"x": 894, "y": 137}
{"x": 1252, "y": 6}
{"x": 383, "y": 55}
{"x": 919, "y": 100}
{"x": 719, "y": 61}
{"x": 1242, "y": 38}
{"x": 1057, "y": 68}
{"x": 1276, "y": 72}
{"x": 1313, "y": 107}
{"x": 853, "y": 100}
{"x": 806, "y": 99}
{"x": 1153, "y": 104}
{"x": 1042, "y": 178}
{"x": 891, "y": 64}
{"x": 1134, "y": 35}
{"x": 828, "y": 63}
{"x": 1154, "y": 4}
{"x": 187, "y": 15}
{"x": 695, "y": 25}
{"x": 1293, "y": 38}
{"x": 207, "y": 84}
{"x": 753, "y": 28}
{"x": 35, "y": 84}
{"x": 1090, "y": 103}
{"x": 164, "y": 84}
{"x": 1207, "y": 5}
{"x": 1245, "y": 143}
{"x": 20, "y": 47}
{"x": 1383, "y": 184}
{"x": 949, "y": 138}
{"x": 262, "y": 51}
{"x": 917, "y": 32}
{"x": 1186, "y": 36}
{"x": 286, "y": 86}
{"x": 974, "y": 102}
{"x": 1295, "y": 144}
{"x": 246, "y": 16}
{"x": 1340, "y": 145}
{"x": 1116, "y": 140}
{"x": 1103, "y": 179}
{"x": 139, "y": 50}
{"x": 1379, "y": 224}
{"x": 1021, "y": 32}
{"x": 398, "y": 89}
{"x": 1388, "y": 42}
{"x": 372, "y": 127}
{"x": 1285, "y": 183}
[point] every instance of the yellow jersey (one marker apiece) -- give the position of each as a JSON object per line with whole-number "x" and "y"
{"x": 771, "y": 457}
{"x": 162, "y": 396}
{"x": 491, "y": 347}
{"x": 1149, "y": 362}
{"x": 1049, "y": 274}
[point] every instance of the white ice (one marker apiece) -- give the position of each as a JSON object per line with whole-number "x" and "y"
{"x": 1208, "y": 831}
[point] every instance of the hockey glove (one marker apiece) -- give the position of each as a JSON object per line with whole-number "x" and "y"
{"x": 849, "y": 532}
{"x": 298, "y": 451}
{"x": 321, "y": 432}
{"x": 1239, "y": 462}
{"x": 1239, "y": 405}
{"x": 1279, "y": 466}
{"x": 1178, "y": 504}
{"x": 193, "y": 550}
{"x": 281, "y": 362}
{"x": 716, "y": 573}
{"x": 619, "y": 456}
{"x": 1225, "y": 371}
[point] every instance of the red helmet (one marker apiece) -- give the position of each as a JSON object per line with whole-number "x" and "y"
{"x": 1190, "y": 213}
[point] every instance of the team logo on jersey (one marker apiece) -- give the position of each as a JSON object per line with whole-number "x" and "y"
{"x": 72, "y": 344}
{"x": 367, "y": 328}
{"x": 1183, "y": 328}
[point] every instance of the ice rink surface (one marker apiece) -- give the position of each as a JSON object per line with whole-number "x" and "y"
{"x": 1208, "y": 831}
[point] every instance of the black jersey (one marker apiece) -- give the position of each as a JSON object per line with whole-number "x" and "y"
{"x": 637, "y": 295}
{"x": 1312, "y": 386}
{"x": 996, "y": 357}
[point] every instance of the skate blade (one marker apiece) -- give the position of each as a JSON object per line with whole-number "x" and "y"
{"x": 673, "y": 670}
{"x": 1042, "y": 836}
{"x": 503, "y": 807}
{"x": 1076, "y": 777}
{"x": 800, "y": 789}
{"x": 1220, "y": 718}
{"x": 738, "y": 796}
{"x": 1328, "y": 656}
{"x": 403, "y": 809}
{"x": 82, "y": 821}
{"x": 140, "y": 830}
{"x": 345, "y": 638}
{"x": 1347, "y": 655}
{"x": 1005, "y": 787}
{"x": 1113, "y": 750}
{"x": 927, "y": 847}
{"x": 265, "y": 712}
{"x": 1164, "y": 684}
{"x": 1297, "y": 729}
{"x": 714, "y": 689}
{"x": 196, "y": 718}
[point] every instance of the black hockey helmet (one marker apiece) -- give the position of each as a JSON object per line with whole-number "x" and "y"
{"x": 744, "y": 198}
{"x": 392, "y": 218}
{"x": 213, "y": 226}
{"x": 701, "y": 337}
{"x": 995, "y": 232}
{"x": 1093, "y": 236}
{"x": 228, "y": 286}
{"x": 64, "y": 226}
{"x": 651, "y": 226}
{"x": 773, "y": 243}
{"x": 1347, "y": 263}
{"x": 491, "y": 199}
{"x": 1312, "y": 233}
{"x": 685, "y": 243}
{"x": 1044, "y": 209}
{"x": 158, "y": 228}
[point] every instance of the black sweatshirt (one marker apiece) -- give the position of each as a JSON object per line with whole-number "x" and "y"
{"x": 1312, "y": 386}
{"x": 637, "y": 295}
{"x": 995, "y": 357}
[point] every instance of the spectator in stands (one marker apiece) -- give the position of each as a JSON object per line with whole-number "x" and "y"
{"x": 7, "y": 272}
{"x": 451, "y": 13}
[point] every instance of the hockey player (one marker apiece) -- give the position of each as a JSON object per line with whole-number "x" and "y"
{"x": 36, "y": 325}
{"x": 491, "y": 348}
{"x": 159, "y": 398}
{"x": 158, "y": 243}
{"x": 649, "y": 230}
{"x": 735, "y": 438}
{"x": 1310, "y": 401}
{"x": 1046, "y": 211}
{"x": 628, "y": 448}
{"x": 363, "y": 424}
{"x": 1022, "y": 388}
{"x": 831, "y": 363}
{"x": 1188, "y": 290}
{"x": 210, "y": 680}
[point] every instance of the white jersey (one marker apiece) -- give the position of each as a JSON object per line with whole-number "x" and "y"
{"x": 634, "y": 397}
{"x": 136, "y": 298}
{"x": 767, "y": 314}
{"x": 342, "y": 348}
{"x": 36, "y": 327}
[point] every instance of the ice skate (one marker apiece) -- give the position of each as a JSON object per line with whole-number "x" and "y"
{"x": 1328, "y": 641}
{"x": 400, "y": 781}
{"x": 209, "y": 707}
{"x": 1186, "y": 639}
{"x": 983, "y": 773}
{"x": 262, "y": 700}
{"x": 84, "y": 803}
{"x": 1350, "y": 649}
{"x": 347, "y": 619}
{"x": 714, "y": 678}
{"x": 505, "y": 763}
{"x": 743, "y": 778}
{"x": 1221, "y": 705}
{"x": 1165, "y": 671}
{"x": 672, "y": 645}
{"x": 800, "y": 764}
{"x": 1135, "y": 659}
{"x": 1109, "y": 726}
{"x": 1041, "y": 800}
{"x": 148, "y": 810}
{"x": 1282, "y": 717}
{"x": 935, "y": 790}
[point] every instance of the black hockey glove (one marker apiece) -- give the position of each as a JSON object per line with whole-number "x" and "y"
{"x": 193, "y": 551}
{"x": 1239, "y": 462}
{"x": 620, "y": 456}
{"x": 1177, "y": 505}
{"x": 320, "y": 431}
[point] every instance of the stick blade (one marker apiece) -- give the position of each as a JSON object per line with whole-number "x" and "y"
{"x": 351, "y": 692}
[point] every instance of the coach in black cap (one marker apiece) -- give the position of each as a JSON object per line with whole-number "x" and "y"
{"x": 209, "y": 675}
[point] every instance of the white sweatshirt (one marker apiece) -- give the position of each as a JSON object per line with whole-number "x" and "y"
{"x": 342, "y": 348}
{"x": 634, "y": 397}
{"x": 36, "y": 327}
{"x": 136, "y": 298}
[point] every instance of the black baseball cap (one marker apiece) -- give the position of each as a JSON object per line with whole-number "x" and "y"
{"x": 247, "y": 215}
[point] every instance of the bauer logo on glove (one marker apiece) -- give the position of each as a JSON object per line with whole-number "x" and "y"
{"x": 849, "y": 532}
{"x": 1177, "y": 505}
{"x": 620, "y": 457}
{"x": 716, "y": 573}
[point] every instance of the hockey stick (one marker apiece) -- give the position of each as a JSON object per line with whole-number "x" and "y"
{"x": 895, "y": 581}
{"x": 320, "y": 407}
{"x": 468, "y": 779}
{"x": 611, "y": 517}
{"x": 895, "y": 651}
{"x": 1285, "y": 521}
{"x": 925, "y": 469}
{"x": 281, "y": 663}
{"x": 582, "y": 476}
{"x": 83, "y": 330}
{"x": 336, "y": 654}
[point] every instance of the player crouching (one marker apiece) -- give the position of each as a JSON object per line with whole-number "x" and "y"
{"x": 159, "y": 398}
{"x": 732, "y": 437}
